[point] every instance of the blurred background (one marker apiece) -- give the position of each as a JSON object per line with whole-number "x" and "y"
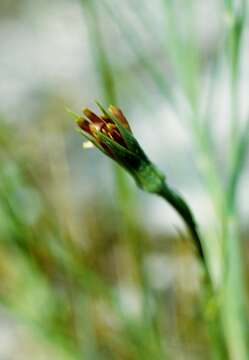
{"x": 90, "y": 267}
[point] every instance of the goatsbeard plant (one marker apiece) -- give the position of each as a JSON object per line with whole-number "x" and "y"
{"x": 110, "y": 132}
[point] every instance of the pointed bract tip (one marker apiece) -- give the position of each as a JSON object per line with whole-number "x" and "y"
{"x": 115, "y": 111}
{"x": 86, "y": 111}
{"x": 73, "y": 114}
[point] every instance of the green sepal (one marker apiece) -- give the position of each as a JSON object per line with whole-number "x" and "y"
{"x": 146, "y": 175}
{"x": 149, "y": 178}
{"x": 122, "y": 155}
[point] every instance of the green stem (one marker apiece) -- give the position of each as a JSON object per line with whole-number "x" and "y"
{"x": 102, "y": 63}
{"x": 233, "y": 308}
{"x": 214, "y": 323}
{"x": 182, "y": 208}
{"x": 150, "y": 179}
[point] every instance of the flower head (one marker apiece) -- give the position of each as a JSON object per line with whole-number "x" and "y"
{"x": 105, "y": 124}
{"x": 111, "y": 133}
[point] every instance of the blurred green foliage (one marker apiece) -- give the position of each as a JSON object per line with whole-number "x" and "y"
{"x": 84, "y": 274}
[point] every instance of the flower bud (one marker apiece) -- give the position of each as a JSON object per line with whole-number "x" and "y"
{"x": 111, "y": 133}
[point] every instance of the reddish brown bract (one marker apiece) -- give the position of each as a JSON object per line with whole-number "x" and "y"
{"x": 92, "y": 124}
